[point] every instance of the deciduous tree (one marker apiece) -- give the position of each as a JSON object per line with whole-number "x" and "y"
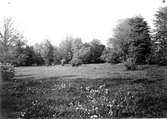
{"x": 161, "y": 34}
{"x": 132, "y": 39}
{"x": 8, "y": 37}
{"x": 65, "y": 48}
{"x": 140, "y": 41}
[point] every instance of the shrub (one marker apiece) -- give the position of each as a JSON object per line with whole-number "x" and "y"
{"x": 7, "y": 71}
{"x": 153, "y": 59}
{"x": 76, "y": 62}
{"x": 162, "y": 61}
{"x": 111, "y": 57}
{"x": 130, "y": 64}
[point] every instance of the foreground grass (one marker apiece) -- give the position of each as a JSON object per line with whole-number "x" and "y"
{"x": 61, "y": 95}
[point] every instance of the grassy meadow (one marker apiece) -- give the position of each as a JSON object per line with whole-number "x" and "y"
{"x": 88, "y": 91}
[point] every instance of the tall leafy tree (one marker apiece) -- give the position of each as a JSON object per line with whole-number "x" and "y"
{"x": 56, "y": 56}
{"x": 76, "y": 46}
{"x": 161, "y": 34}
{"x": 26, "y": 57}
{"x": 18, "y": 50}
{"x": 132, "y": 39}
{"x": 140, "y": 41}
{"x": 120, "y": 41}
{"x": 65, "y": 48}
{"x": 46, "y": 50}
{"x": 85, "y": 53}
{"x": 8, "y": 37}
{"x": 97, "y": 50}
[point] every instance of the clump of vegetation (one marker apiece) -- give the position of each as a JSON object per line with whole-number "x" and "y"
{"x": 76, "y": 62}
{"x": 163, "y": 61}
{"x": 130, "y": 64}
{"x": 7, "y": 71}
{"x": 111, "y": 56}
{"x": 132, "y": 39}
{"x": 161, "y": 35}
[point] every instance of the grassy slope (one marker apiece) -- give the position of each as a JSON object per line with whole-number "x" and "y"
{"x": 68, "y": 92}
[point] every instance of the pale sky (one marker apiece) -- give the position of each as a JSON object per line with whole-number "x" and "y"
{"x": 87, "y": 19}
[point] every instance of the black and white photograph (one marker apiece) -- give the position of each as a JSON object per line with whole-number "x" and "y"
{"x": 83, "y": 59}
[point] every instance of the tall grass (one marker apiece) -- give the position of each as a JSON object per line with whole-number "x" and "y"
{"x": 80, "y": 98}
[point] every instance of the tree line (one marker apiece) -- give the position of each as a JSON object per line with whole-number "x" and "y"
{"x": 132, "y": 41}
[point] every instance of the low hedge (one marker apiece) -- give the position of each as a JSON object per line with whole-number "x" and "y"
{"x": 7, "y": 71}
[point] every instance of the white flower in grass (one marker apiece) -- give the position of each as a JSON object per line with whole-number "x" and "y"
{"x": 96, "y": 108}
{"x": 94, "y": 117}
{"x": 54, "y": 115}
{"x": 88, "y": 88}
{"x": 113, "y": 101}
{"x": 22, "y": 114}
{"x": 102, "y": 86}
{"x": 110, "y": 105}
{"x": 77, "y": 108}
{"x": 106, "y": 91}
{"x": 35, "y": 102}
{"x": 111, "y": 112}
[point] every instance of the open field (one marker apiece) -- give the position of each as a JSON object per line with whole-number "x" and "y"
{"x": 94, "y": 90}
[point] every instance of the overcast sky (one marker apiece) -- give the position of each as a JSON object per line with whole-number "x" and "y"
{"x": 87, "y": 19}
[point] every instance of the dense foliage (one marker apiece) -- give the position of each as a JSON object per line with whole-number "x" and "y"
{"x": 111, "y": 56}
{"x": 76, "y": 62}
{"x": 161, "y": 35}
{"x": 131, "y": 40}
{"x": 130, "y": 64}
{"x": 120, "y": 41}
{"x": 7, "y": 71}
{"x": 141, "y": 42}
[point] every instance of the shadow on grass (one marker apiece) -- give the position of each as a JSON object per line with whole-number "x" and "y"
{"x": 21, "y": 75}
{"x": 56, "y": 97}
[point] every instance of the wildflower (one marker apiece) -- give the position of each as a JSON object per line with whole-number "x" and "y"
{"x": 88, "y": 88}
{"x": 54, "y": 115}
{"x": 106, "y": 91}
{"x": 22, "y": 114}
{"x": 94, "y": 117}
{"x": 111, "y": 112}
{"x": 102, "y": 86}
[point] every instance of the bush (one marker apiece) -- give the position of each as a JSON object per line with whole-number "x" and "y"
{"x": 163, "y": 61}
{"x": 111, "y": 57}
{"x": 76, "y": 62}
{"x": 153, "y": 59}
{"x": 130, "y": 64}
{"x": 7, "y": 71}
